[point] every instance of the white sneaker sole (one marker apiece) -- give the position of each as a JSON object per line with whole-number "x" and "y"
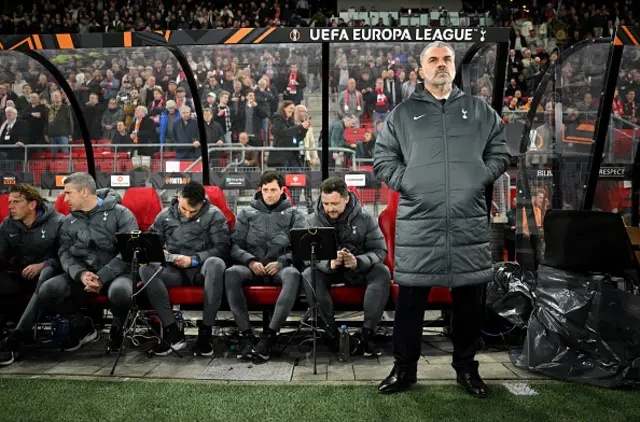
{"x": 89, "y": 338}
{"x": 176, "y": 346}
{"x": 8, "y": 362}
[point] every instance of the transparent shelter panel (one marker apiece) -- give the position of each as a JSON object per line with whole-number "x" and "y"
{"x": 556, "y": 154}
{"x": 42, "y": 141}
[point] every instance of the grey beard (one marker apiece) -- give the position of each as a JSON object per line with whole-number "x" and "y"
{"x": 184, "y": 219}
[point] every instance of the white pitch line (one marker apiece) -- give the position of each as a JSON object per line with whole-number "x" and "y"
{"x": 520, "y": 389}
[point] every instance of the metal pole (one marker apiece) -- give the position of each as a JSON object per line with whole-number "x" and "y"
{"x": 326, "y": 50}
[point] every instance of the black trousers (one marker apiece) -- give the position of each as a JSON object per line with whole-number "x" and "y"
{"x": 466, "y": 326}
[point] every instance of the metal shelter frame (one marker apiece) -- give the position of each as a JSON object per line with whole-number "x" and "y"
{"x": 481, "y": 38}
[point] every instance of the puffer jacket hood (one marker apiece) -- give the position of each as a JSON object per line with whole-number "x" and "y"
{"x": 351, "y": 211}
{"x": 259, "y": 204}
{"x": 47, "y": 211}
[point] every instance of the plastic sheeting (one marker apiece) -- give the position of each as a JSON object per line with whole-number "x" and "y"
{"x": 583, "y": 329}
{"x": 510, "y": 293}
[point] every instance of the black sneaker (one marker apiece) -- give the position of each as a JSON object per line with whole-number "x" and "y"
{"x": 245, "y": 347}
{"x": 80, "y": 333}
{"x": 204, "y": 345}
{"x": 10, "y": 348}
{"x": 267, "y": 340}
{"x": 172, "y": 335}
{"x": 116, "y": 338}
{"x": 367, "y": 344}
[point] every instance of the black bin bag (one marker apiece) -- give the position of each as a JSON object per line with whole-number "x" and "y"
{"x": 510, "y": 293}
{"x": 584, "y": 329}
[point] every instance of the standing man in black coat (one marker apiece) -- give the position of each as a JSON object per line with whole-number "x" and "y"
{"x": 440, "y": 149}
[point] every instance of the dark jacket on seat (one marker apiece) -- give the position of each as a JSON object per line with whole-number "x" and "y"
{"x": 356, "y": 230}
{"x": 204, "y": 235}
{"x": 21, "y": 246}
{"x": 88, "y": 242}
{"x": 262, "y": 233}
{"x": 441, "y": 158}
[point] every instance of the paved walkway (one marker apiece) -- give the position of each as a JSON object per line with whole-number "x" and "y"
{"x": 293, "y": 366}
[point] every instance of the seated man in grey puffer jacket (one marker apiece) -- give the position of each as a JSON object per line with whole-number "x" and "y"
{"x": 90, "y": 259}
{"x": 360, "y": 261}
{"x": 260, "y": 248}
{"x": 196, "y": 239}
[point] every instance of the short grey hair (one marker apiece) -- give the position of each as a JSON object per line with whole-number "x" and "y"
{"x": 437, "y": 44}
{"x": 10, "y": 110}
{"x": 350, "y": 117}
{"x": 81, "y": 181}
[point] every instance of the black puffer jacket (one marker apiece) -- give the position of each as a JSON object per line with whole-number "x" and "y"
{"x": 284, "y": 130}
{"x": 356, "y": 230}
{"x": 21, "y": 246}
{"x": 262, "y": 234}
{"x": 88, "y": 242}
{"x": 441, "y": 158}
{"x": 203, "y": 236}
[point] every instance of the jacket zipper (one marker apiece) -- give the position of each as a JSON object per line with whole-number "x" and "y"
{"x": 446, "y": 196}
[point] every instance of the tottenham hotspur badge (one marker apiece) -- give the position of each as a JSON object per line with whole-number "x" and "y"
{"x": 464, "y": 114}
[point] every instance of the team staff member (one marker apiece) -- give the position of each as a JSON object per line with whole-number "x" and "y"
{"x": 196, "y": 238}
{"x": 90, "y": 260}
{"x": 28, "y": 257}
{"x": 360, "y": 261}
{"x": 260, "y": 248}
{"x": 440, "y": 149}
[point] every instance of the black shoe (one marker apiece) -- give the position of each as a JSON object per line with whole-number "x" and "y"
{"x": 367, "y": 344}
{"x": 397, "y": 381}
{"x": 203, "y": 345}
{"x": 267, "y": 340}
{"x": 172, "y": 335}
{"x": 116, "y": 338}
{"x": 473, "y": 384}
{"x": 81, "y": 332}
{"x": 245, "y": 347}
{"x": 10, "y": 348}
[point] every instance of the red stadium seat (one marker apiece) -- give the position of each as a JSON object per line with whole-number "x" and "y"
{"x": 387, "y": 222}
{"x": 353, "y": 135}
{"x": 61, "y": 206}
{"x": 217, "y": 198}
{"x": 144, "y": 203}
{"x": 4, "y": 206}
{"x": 165, "y": 155}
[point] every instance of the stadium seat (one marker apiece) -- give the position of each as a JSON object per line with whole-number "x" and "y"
{"x": 165, "y": 155}
{"x": 353, "y": 135}
{"x": 387, "y": 222}
{"x": 217, "y": 198}
{"x": 144, "y": 203}
{"x": 4, "y": 206}
{"x": 61, "y": 206}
